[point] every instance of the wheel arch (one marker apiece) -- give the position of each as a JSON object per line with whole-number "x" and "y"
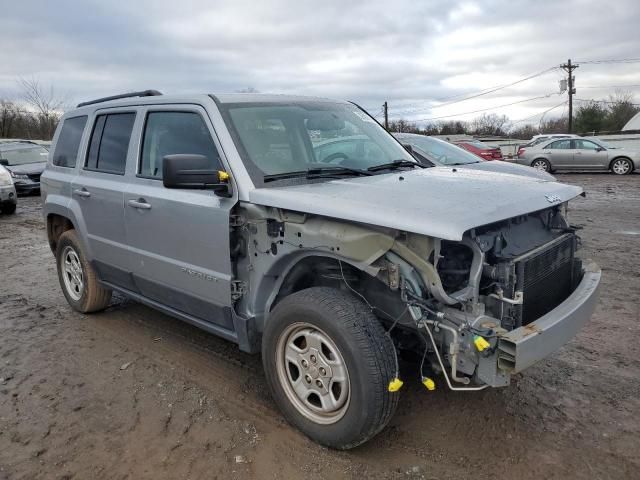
{"x": 295, "y": 272}
{"x": 623, "y": 157}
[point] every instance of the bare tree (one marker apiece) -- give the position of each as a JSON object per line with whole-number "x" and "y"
{"x": 491, "y": 124}
{"x": 45, "y": 103}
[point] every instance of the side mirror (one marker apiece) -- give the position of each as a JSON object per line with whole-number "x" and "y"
{"x": 194, "y": 172}
{"x": 408, "y": 148}
{"x": 4, "y": 162}
{"x": 600, "y": 149}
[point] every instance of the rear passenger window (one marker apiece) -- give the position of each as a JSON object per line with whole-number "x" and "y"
{"x": 168, "y": 133}
{"x": 110, "y": 142}
{"x": 66, "y": 152}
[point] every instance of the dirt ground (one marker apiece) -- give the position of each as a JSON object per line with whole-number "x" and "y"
{"x": 130, "y": 393}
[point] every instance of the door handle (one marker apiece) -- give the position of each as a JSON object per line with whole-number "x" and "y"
{"x": 82, "y": 192}
{"x": 577, "y": 153}
{"x": 140, "y": 204}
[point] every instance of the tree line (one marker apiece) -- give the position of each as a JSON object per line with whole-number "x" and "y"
{"x": 35, "y": 116}
{"x": 591, "y": 117}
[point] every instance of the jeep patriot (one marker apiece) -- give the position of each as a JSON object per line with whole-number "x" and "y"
{"x": 299, "y": 228}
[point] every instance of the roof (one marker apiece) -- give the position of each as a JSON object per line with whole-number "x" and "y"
{"x": 269, "y": 98}
{"x": 201, "y": 98}
{"x": 633, "y": 124}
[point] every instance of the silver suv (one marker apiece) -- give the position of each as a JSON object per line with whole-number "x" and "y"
{"x": 300, "y": 228}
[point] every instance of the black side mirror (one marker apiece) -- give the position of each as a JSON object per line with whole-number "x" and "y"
{"x": 600, "y": 149}
{"x": 408, "y": 148}
{"x": 194, "y": 172}
{"x": 4, "y": 162}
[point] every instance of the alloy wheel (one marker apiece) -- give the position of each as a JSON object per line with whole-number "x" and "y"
{"x": 313, "y": 373}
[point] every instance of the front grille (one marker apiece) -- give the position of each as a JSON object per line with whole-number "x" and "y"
{"x": 35, "y": 177}
{"x": 545, "y": 277}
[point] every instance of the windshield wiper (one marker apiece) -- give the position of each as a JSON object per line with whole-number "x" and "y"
{"x": 317, "y": 172}
{"x": 395, "y": 165}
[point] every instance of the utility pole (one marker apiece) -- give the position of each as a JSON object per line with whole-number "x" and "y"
{"x": 567, "y": 67}
{"x": 385, "y": 107}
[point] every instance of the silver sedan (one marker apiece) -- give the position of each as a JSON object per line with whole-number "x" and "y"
{"x": 579, "y": 154}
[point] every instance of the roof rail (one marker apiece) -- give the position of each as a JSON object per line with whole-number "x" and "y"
{"x": 144, "y": 93}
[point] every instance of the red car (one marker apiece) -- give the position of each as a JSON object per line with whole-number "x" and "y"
{"x": 480, "y": 149}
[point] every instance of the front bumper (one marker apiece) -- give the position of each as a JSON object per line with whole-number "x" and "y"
{"x": 26, "y": 186}
{"x": 524, "y": 346}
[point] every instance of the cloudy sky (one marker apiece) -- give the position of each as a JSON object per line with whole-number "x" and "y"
{"x": 418, "y": 55}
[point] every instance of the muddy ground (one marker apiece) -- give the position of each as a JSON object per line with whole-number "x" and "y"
{"x": 131, "y": 393}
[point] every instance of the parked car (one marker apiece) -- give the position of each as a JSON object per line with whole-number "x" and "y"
{"x": 538, "y": 139}
{"x": 228, "y": 212}
{"x": 482, "y": 150}
{"x": 8, "y": 196}
{"x": 580, "y": 154}
{"x": 25, "y": 162}
{"x": 433, "y": 151}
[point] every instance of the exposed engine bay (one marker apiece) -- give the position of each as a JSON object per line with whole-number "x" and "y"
{"x": 449, "y": 302}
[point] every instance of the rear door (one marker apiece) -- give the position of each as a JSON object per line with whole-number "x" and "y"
{"x": 179, "y": 238}
{"x": 99, "y": 189}
{"x": 589, "y": 155}
{"x": 559, "y": 153}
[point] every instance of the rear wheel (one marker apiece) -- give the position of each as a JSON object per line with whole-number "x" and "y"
{"x": 77, "y": 277}
{"x": 541, "y": 164}
{"x": 328, "y": 363}
{"x": 621, "y": 166}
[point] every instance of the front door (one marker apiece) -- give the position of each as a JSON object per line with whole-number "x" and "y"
{"x": 589, "y": 155}
{"x": 179, "y": 238}
{"x": 98, "y": 192}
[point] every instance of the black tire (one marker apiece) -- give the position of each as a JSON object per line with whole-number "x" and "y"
{"x": 621, "y": 166}
{"x": 541, "y": 164}
{"x": 91, "y": 297}
{"x": 8, "y": 208}
{"x": 368, "y": 354}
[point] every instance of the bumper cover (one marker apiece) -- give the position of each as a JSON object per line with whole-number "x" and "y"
{"x": 8, "y": 194}
{"x": 524, "y": 346}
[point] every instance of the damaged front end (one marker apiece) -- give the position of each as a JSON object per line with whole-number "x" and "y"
{"x": 509, "y": 294}
{"x": 476, "y": 310}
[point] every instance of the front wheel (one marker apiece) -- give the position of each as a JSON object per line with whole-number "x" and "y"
{"x": 621, "y": 166}
{"x": 328, "y": 363}
{"x": 541, "y": 164}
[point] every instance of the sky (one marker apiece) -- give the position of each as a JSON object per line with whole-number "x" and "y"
{"x": 419, "y": 56}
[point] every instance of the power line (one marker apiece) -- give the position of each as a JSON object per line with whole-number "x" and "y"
{"x": 618, "y": 60}
{"x": 485, "y": 109}
{"x": 605, "y": 101}
{"x": 539, "y": 113}
{"x": 611, "y": 86}
{"x": 480, "y": 93}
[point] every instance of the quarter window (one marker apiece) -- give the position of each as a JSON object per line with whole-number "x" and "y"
{"x": 110, "y": 142}
{"x": 66, "y": 152}
{"x": 169, "y": 133}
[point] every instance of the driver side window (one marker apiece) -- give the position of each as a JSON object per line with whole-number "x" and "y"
{"x": 585, "y": 145}
{"x": 169, "y": 133}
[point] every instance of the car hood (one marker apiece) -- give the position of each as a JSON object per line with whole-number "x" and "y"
{"x": 27, "y": 168}
{"x": 441, "y": 202}
{"x": 506, "y": 167}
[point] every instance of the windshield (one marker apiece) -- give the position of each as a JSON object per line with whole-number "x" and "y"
{"x": 439, "y": 151}
{"x": 24, "y": 155}
{"x": 278, "y": 138}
